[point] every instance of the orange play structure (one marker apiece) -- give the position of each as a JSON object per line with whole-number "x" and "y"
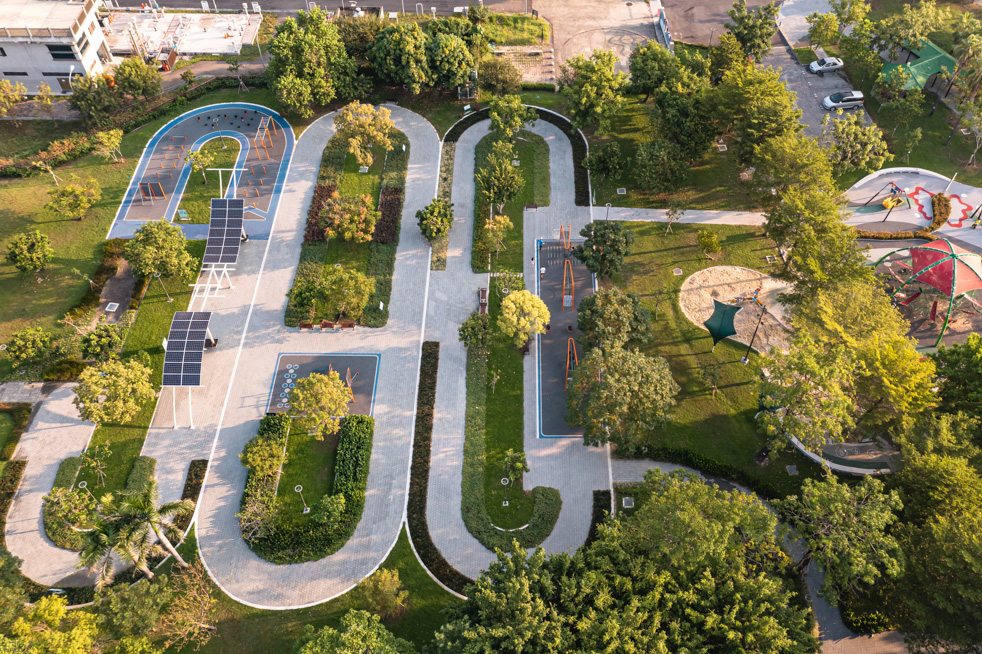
{"x": 572, "y": 360}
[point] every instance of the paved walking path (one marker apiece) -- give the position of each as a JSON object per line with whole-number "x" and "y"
{"x": 21, "y": 392}
{"x": 235, "y": 419}
{"x": 56, "y": 432}
{"x": 695, "y": 216}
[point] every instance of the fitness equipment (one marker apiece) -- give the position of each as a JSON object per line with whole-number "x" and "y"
{"x": 567, "y": 286}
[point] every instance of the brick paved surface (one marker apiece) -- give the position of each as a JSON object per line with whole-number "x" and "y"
{"x": 55, "y": 432}
{"x": 234, "y": 567}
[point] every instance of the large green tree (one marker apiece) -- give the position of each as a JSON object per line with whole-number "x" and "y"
{"x": 508, "y": 115}
{"x": 790, "y": 160}
{"x": 652, "y": 66}
{"x": 947, "y": 434}
{"x": 94, "y": 98}
{"x": 323, "y": 400}
{"x": 449, "y": 59}
{"x": 399, "y": 56}
{"x": 132, "y": 610}
{"x": 593, "y": 89}
{"x": 360, "y": 632}
{"x": 345, "y": 292}
{"x": 498, "y": 76}
{"x": 30, "y": 252}
{"x": 364, "y": 127}
{"x": 847, "y": 531}
{"x": 757, "y": 105}
{"x": 959, "y": 368}
{"x": 852, "y": 144}
{"x": 435, "y": 219}
{"x": 308, "y": 64}
{"x": 112, "y": 391}
{"x": 523, "y": 315}
{"x": 159, "y": 246}
{"x": 753, "y": 28}
{"x": 136, "y": 77}
{"x": 610, "y": 318}
{"x": 686, "y": 121}
{"x": 604, "y": 248}
{"x": 74, "y": 198}
{"x": 498, "y": 181}
{"x": 620, "y": 396}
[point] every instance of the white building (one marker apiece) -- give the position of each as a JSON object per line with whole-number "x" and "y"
{"x": 44, "y": 41}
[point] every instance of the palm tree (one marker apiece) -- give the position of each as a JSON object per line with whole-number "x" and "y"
{"x": 140, "y": 511}
{"x": 109, "y": 542}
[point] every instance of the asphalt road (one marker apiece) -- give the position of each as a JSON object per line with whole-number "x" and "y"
{"x": 291, "y": 6}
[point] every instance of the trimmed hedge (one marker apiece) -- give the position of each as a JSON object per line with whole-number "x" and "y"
{"x": 390, "y": 220}
{"x": 940, "y": 205}
{"x": 20, "y": 413}
{"x": 12, "y": 472}
{"x": 601, "y": 511}
{"x": 313, "y": 541}
{"x": 865, "y": 623}
{"x": 58, "y": 532}
{"x": 546, "y": 501}
{"x": 192, "y": 489}
{"x": 65, "y": 370}
{"x": 538, "y": 86}
{"x": 142, "y": 474}
{"x": 419, "y": 480}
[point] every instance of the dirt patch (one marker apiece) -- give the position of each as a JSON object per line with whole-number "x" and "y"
{"x": 118, "y": 290}
{"x": 739, "y": 286}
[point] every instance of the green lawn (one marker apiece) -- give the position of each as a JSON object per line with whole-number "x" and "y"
{"x": 930, "y": 152}
{"x": 354, "y": 182}
{"x": 245, "y": 630}
{"x": 200, "y": 190}
{"x": 805, "y": 55}
{"x": 441, "y": 108}
{"x": 24, "y": 138}
{"x": 6, "y": 428}
{"x": 545, "y": 99}
{"x": 504, "y": 427}
{"x": 148, "y": 332}
{"x": 503, "y": 29}
{"x": 309, "y": 463}
{"x": 714, "y": 181}
{"x": 722, "y": 428}
{"x": 25, "y": 301}
{"x": 533, "y": 153}
{"x": 944, "y": 35}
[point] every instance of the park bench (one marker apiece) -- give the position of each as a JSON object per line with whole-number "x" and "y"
{"x": 306, "y": 325}
{"x": 347, "y": 325}
{"x": 482, "y": 301}
{"x": 327, "y": 324}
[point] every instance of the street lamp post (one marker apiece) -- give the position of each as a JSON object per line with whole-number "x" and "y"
{"x": 169, "y": 298}
{"x": 259, "y": 9}
{"x": 84, "y": 486}
{"x": 299, "y": 489}
{"x": 607, "y": 217}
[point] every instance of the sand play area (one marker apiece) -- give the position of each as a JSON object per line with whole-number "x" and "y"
{"x": 736, "y": 285}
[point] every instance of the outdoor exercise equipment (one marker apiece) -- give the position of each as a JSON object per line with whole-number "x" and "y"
{"x": 572, "y": 360}
{"x": 896, "y": 196}
{"x": 952, "y": 270}
{"x": 720, "y": 324}
{"x": 565, "y": 238}
{"x": 567, "y": 285}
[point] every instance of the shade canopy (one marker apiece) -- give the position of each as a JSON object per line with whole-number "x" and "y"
{"x": 946, "y": 267}
{"x": 720, "y": 324}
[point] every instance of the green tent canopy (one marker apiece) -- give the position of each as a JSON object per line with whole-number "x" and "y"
{"x": 720, "y": 324}
{"x": 930, "y": 60}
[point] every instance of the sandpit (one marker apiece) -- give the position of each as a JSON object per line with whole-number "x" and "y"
{"x": 726, "y": 283}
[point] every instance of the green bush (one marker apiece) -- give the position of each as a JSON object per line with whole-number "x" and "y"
{"x": 58, "y": 532}
{"x": 381, "y": 265}
{"x": 538, "y": 86}
{"x": 312, "y": 541}
{"x": 941, "y": 206}
{"x": 601, "y": 511}
{"x": 20, "y": 413}
{"x": 546, "y": 501}
{"x": 311, "y": 267}
{"x": 192, "y": 489}
{"x": 419, "y": 531}
{"x": 65, "y": 370}
{"x": 142, "y": 474}
{"x": 865, "y": 623}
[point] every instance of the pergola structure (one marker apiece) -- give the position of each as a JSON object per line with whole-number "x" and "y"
{"x": 944, "y": 266}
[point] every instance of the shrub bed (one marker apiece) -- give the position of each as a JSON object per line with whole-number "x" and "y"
{"x": 192, "y": 489}
{"x": 311, "y": 267}
{"x": 601, "y": 510}
{"x": 58, "y": 532}
{"x": 9, "y": 481}
{"x": 20, "y": 413}
{"x": 142, "y": 474}
{"x": 538, "y": 86}
{"x": 297, "y": 543}
{"x": 315, "y": 231}
{"x": 65, "y": 370}
{"x": 547, "y": 501}
{"x": 865, "y": 623}
{"x": 381, "y": 266}
{"x": 419, "y": 480}
{"x": 390, "y": 208}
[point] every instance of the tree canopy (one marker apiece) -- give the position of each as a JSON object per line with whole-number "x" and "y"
{"x": 399, "y": 55}
{"x": 112, "y": 391}
{"x": 360, "y": 632}
{"x": 364, "y": 126}
{"x": 604, "y": 248}
{"x": 523, "y": 315}
{"x": 610, "y": 318}
{"x": 323, "y": 400}
{"x": 593, "y": 89}
{"x": 753, "y": 28}
{"x": 159, "y": 246}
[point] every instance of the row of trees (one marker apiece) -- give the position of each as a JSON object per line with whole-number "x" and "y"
{"x": 98, "y": 97}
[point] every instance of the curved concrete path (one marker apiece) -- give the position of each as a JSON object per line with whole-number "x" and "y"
{"x": 266, "y": 274}
{"x": 55, "y": 432}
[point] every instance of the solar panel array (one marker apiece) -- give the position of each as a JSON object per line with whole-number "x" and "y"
{"x": 224, "y": 231}
{"x": 185, "y": 345}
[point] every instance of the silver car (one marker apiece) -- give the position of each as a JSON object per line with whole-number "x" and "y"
{"x": 825, "y": 65}
{"x": 843, "y": 100}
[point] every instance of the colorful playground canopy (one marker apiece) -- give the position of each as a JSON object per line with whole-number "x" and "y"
{"x": 944, "y": 266}
{"x": 930, "y": 60}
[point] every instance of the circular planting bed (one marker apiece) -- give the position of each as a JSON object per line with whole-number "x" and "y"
{"x": 749, "y": 289}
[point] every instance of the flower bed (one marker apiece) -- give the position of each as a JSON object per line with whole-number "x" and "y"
{"x": 58, "y": 531}
{"x": 419, "y": 480}
{"x": 265, "y": 531}
{"x": 192, "y": 489}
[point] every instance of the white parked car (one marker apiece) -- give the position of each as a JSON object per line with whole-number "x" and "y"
{"x": 843, "y": 100}
{"x": 825, "y": 65}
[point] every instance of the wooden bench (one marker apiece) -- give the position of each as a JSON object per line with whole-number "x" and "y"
{"x": 346, "y": 325}
{"x": 482, "y": 301}
{"x": 306, "y": 325}
{"x": 327, "y": 324}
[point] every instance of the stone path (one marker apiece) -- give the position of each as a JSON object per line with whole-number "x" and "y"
{"x": 31, "y": 392}
{"x": 56, "y": 432}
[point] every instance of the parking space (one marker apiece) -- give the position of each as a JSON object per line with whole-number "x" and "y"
{"x": 811, "y": 89}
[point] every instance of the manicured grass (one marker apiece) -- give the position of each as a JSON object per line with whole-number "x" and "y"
{"x": 6, "y": 428}
{"x": 723, "y": 428}
{"x": 930, "y": 152}
{"x": 358, "y": 183}
{"x": 25, "y": 301}
{"x": 152, "y": 324}
{"x": 24, "y": 138}
{"x": 441, "y": 108}
{"x": 713, "y": 183}
{"x": 245, "y": 630}
{"x": 533, "y": 153}
{"x": 309, "y": 463}
{"x": 199, "y": 190}
{"x": 503, "y": 29}
{"x": 545, "y": 99}
{"x": 805, "y": 55}
{"x": 505, "y": 427}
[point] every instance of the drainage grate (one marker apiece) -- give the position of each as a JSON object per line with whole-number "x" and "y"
{"x": 112, "y": 307}
{"x": 677, "y": 272}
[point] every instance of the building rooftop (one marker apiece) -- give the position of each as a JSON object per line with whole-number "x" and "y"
{"x": 40, "y": 14}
